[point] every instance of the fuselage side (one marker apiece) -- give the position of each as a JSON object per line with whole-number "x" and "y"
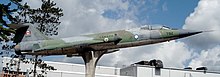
{"x": 99, "y": 41}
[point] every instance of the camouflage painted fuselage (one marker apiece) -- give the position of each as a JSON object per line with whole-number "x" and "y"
{"x": 107, "y": 41}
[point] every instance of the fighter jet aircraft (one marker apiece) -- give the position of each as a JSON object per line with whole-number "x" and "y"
{"x": 91, "y": 47}
{"x": 32, "y": 42}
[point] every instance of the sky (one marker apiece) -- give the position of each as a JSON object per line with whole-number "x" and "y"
{"x": 86, "y": 16}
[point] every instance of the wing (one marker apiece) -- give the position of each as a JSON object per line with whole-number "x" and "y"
{"x": 73, "y": 45}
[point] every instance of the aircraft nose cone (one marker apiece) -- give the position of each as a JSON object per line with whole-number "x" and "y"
{"x": 185, "y": 33}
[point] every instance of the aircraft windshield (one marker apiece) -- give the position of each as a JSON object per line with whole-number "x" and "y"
{"x": 155, "y": 27}
{"x": 164, "y": 27}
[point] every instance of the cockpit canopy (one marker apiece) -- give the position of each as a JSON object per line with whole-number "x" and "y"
{"x": 155, "y": 27}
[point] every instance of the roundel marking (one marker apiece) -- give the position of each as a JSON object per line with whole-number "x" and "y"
{"x": 136, "y": 36}
{"x": 105, "y": 39}
{"x": 28, "y": 33}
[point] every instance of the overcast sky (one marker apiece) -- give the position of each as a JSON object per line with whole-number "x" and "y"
{"x": 86, "y": 16}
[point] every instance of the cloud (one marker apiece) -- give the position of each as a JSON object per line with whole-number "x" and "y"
{"x": 82, "y": 17}
{"x": 173, "y": 54}
{"x": 86, "y": 17}
{"x": 205, "y": 17}
{"x": 209, "y": 58}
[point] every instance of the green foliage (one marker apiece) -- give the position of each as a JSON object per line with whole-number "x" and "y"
{"x": 6, "y": 12}
{"x": 47, "y": 16}
{"x": 14, "y": 63}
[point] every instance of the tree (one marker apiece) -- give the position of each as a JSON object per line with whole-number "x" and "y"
{"x": 47, "y": 16}
{"x": 15, "y": 61}
{"x": 5, "y": 13}
{"x": 6, "y": 17}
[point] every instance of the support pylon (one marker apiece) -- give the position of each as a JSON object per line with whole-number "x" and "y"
{"x": 90, "y": 59}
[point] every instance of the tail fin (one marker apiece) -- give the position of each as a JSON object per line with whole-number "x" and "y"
{"x": 27, "y": 32}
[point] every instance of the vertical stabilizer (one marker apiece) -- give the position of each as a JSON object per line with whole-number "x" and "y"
{"x": 33, "y": 34}
{"x": 27, "y": 32}
{"x": 20, "y": 32}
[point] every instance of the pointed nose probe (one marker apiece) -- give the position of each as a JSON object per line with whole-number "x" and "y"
{"x": 185, "y": 33}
